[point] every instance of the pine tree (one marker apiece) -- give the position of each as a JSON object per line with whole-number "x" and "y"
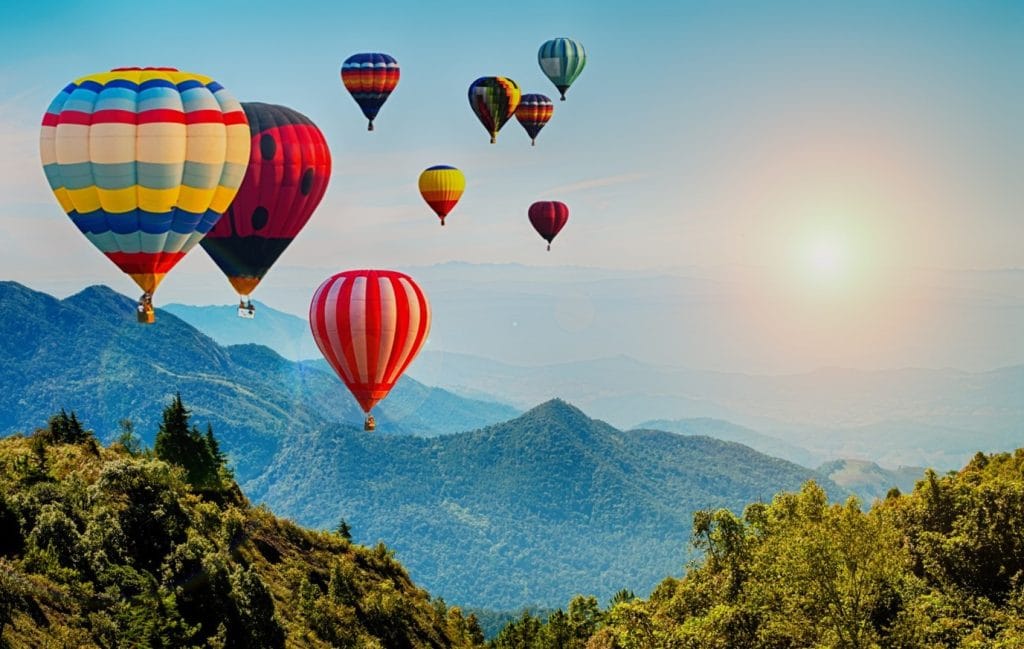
{"x": 344, "y": 530}
{"x": 179, "y": 443}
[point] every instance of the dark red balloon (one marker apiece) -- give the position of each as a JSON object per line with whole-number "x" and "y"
{"x": 548, "y": 218}
{"x": 289, "y": 168}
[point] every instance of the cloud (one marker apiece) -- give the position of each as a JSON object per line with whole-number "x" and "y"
{"x": 593, "y": 183}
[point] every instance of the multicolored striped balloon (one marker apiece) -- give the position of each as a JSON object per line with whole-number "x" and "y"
{"x": 442, "y": 186}
{"x": 144, "y": 161}
{"x": 562, "y": 60}
{"x": 548, "y": 218}
{"x": 533, "y": 113}
{"x": 494, "y": 100}
{"x": 289, "y": 168}
{"x": 370, "y": 77}
{"x": 369, "y": 325}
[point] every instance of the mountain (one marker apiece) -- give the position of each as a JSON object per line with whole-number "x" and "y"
{"x": 100, "y": 547}
{"x": 87, "y": 353}
{"x": 927, "y": 417}
{"x": 870, "y": 481}
{"x": 731, "y": 432}
{"x": 529, "y": 511}
{"x": 286, "y": 334}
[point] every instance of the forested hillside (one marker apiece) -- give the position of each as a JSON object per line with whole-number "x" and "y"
{"x": 942, "y": 566}
{"x": 525, "y": 512}
{"x": 110, "y": 546}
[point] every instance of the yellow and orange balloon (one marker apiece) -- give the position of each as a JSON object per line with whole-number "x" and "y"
{"x": 442, "y": 186}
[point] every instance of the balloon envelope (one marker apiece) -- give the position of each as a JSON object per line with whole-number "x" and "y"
{"x": 533, "y": 113}
{"x": 370, "y": 77}
{"x": 441, "y": 187}
{"x": 494, "y": 100}
{"x": 548, "y": 218}
{"x": 289, "y": 168}
{"x": 369, "y": 325}
{"x": 562, "y": 60}
{"x": 144, "y": 161}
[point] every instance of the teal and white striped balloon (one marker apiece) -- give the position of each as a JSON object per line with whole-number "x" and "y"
{"x": 562, "y": 60}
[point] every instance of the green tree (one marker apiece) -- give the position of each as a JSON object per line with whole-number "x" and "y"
{"x": 11, "y": 541}
{"x": 344, "y": 530}
{"x": 257, "y": 624}
{"x": 183, "y": 445}
{"x": 63, "y": 428}
{"x": 127, "y": 438}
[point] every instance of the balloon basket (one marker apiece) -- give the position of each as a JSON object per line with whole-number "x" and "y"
{"x": 370, "y": 424}
{"x": 245, "y": 308}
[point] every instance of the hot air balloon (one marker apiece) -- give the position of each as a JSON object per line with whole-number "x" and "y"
{"x": 144, "y": 161}
{"x": 370, "y": 77}
{"x": 369, "y": 325}
{"x": 533, "y": 113}
{"x": 289, "y": 167}
{"x": 442, "y": 186}
{"x": 562, "y": 60}
{"x": 548, "y": 218}
{"x": 494, "y": 100}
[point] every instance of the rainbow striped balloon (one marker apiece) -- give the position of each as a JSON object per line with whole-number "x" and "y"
{"x": 533, "y": 113}
{"x": 144, "y": 161}
{"x": 370, "y": 77}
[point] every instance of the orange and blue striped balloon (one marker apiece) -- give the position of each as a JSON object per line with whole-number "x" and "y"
{"x": 370, "y": 77}
{"x": 533, "y": 113}
{"x": 144, "y": 161}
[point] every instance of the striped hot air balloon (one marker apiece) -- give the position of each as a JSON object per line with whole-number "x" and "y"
{"x": 369, "y": 325}
{"x": 548, "y": 218}
{"x": 533, "y": 113}
{"x": 289, "y": 167}
{"x": 562, "y": 60}
{"x": 442, "y": 186}
{"x": 494, "y": 100}
{"x": 144, "y": 161}
{"x": 370, "y": 77}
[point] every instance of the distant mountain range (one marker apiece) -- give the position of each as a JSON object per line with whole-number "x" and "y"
{"x": 899, "y": 417}
{"x": 731, "y": 432}
{"x": 87, "y": 353}
{"x": 286, "y": 334}
{"x": 870, "y": 481}
{"x": 894, "y": 417}
{"x": 530, "y": 511}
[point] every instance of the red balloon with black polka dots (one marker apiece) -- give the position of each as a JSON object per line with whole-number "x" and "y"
{"x": 287, "y": 175}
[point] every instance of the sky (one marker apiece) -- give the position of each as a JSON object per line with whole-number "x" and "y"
{"x": 813, "y": 153}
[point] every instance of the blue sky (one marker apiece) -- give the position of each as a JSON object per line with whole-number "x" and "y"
{"x": 704, "y": 135}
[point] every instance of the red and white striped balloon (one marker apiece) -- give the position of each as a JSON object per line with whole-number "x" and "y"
{"x": 369, "y": 325}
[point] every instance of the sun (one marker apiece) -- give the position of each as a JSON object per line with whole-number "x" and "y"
{"x": 826, "y": 256}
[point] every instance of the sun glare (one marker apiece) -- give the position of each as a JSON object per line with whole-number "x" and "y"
{"x": 826, "y": 257}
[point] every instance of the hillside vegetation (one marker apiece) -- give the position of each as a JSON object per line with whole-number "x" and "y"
{"x": 117, "y": 547}
{"x": 526, "y": 512}
{"x": 940, "y": 567}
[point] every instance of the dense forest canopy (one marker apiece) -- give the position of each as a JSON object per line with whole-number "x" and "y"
{"x": 939, "y": 567}
{"x": 121, "y": 546}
